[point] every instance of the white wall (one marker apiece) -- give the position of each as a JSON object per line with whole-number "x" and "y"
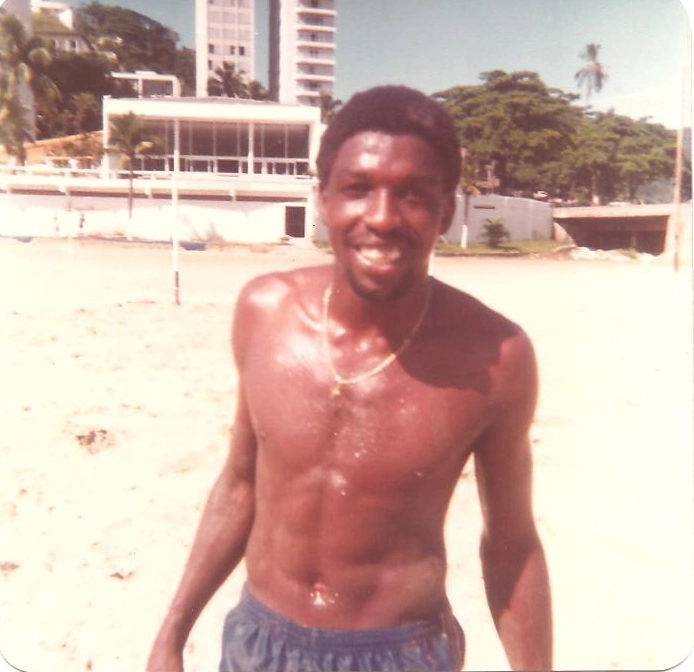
{"x": 153, "y": 219}
{"x": 525, "y": 218}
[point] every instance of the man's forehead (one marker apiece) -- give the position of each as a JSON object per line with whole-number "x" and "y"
{"x": 369, "y": 149}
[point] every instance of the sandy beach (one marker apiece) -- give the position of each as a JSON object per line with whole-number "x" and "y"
{"x": 115, "y": 407}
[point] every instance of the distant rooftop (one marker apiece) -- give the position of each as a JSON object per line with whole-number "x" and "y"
{"x": 43, "y": 22}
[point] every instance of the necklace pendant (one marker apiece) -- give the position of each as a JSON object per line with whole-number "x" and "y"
{"x": 336, "y": 390}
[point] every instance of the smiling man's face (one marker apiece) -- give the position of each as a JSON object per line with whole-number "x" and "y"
{"x": 385, "y": 205}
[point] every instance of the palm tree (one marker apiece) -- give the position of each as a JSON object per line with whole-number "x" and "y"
{"x": 15, "y": 128}
{"x": 128, "y": 136}
{"x": 593, "y": 74}
{"x": 227, "y": 81}
{"x": 23, "y": 58}
{"x": 328, "y": 106}
{"x": 22, "y": 62}
{"x": 256, "y": 91}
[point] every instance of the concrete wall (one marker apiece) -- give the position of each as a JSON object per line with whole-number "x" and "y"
{"x": 525, "y": 218}
{"x": 153, "y": 219}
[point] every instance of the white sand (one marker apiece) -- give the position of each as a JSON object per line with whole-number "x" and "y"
{"x": 94, "y": 531}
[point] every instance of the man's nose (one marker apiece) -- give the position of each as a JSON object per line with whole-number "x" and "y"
{"x": 382, "y": 210}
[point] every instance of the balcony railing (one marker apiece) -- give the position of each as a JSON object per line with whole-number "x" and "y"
{"x": 315, "y": 27}
{"x": 315, "y": 44}
{"x": 312, "y": 77}
{"x": 315, "y": 10}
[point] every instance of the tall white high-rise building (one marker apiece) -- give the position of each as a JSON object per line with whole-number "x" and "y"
{"x": 302, "y": 50}
{"x": 224, "y": 31}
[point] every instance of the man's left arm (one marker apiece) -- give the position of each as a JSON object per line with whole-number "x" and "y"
{"x": 513, "y": 561}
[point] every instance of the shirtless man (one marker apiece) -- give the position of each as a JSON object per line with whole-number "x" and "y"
{"x": 365, "y": 386}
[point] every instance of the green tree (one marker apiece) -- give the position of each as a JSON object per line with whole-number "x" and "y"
{"x": 184, "y": 69}
{"x": 86, "y": 107}
{"x": 514, "y": 122}
{"x": 138, "y": 42}
{"x": 130, "y": 137}
{"x": 328, "y": 106}
{"x": 83, "y": 81}
{"x": 227, "y": 81}
{"x": 15, "y": 128}
{"x": 593, "y": 74}
{"x": 613, "y": 156}
{"x": 23, "y": 61}
{"x": 256, "y": 91}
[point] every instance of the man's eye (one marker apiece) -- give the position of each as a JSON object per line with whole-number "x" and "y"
{"x": 415, "y": 195}
{"x": 355, "y": 189}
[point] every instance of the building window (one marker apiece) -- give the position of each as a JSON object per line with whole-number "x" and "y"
{"x": 210, "y": 48}
{"x": 209, "y": 65}
{"x": 242, "y": 51}
{"x": 314, "y": 3}
{"x": 313, "y": 37}
{"x": 232, "y": 50}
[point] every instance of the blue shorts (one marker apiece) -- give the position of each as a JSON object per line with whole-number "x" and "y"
{"x": 256, "y": 639}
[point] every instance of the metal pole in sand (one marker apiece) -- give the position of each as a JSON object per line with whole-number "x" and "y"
{"x": 174, "y": 237}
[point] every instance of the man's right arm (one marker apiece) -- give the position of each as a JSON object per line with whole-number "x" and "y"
{"x": 223, "y": 531}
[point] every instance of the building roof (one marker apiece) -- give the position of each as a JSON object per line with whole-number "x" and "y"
{"x": 45, "y": 23}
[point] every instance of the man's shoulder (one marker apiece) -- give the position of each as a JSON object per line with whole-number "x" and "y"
{"x": 492, "y": 340}
{"x": 267, "y": 299}
{"x": 271, "y": 291}
{"x": 471, "y": 318}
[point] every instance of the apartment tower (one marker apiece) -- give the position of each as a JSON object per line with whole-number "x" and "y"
{"x": 224, "y": 31}
{"x": 302, "y": 50}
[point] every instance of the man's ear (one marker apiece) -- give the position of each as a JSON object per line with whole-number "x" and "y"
{"x": 448, "y": 212}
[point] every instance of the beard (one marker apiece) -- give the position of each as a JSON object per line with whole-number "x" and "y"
{"x": 372, "y": 291}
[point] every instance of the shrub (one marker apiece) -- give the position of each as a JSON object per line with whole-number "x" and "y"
{"x": 494, "y": 232}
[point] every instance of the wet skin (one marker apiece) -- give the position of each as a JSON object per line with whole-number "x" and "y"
{"x": 337, "y": 503}
{"x": 351, "y": 492}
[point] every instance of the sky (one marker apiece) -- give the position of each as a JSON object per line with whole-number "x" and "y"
{"x": 436, "y": 44}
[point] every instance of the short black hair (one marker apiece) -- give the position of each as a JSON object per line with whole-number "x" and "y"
{"x": 396, "y": 110}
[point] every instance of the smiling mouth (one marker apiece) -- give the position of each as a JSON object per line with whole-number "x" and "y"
{"x": 379, "y": 255}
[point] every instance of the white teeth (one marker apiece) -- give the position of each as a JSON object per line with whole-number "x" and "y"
{"x": 380, "y": 255}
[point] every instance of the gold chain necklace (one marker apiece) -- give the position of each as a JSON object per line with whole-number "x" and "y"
{"x": 340, "y": 381}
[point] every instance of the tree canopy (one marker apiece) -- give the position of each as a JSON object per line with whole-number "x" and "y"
{"x": 532, "y": 137}
{"x": 83, "y": 80}
{"x": 227, "y": 81}
{"x": 139, "y": 42}
{"x": 513, "y": 122}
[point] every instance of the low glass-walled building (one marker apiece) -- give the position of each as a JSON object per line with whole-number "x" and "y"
{"x": 224, "y": 135}
{"x": 251, "y": 161}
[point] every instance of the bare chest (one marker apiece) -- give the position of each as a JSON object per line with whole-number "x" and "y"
{"x": 412, "y": 420}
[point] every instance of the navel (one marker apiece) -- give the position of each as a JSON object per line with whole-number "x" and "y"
{"x": 320, "y": 596}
